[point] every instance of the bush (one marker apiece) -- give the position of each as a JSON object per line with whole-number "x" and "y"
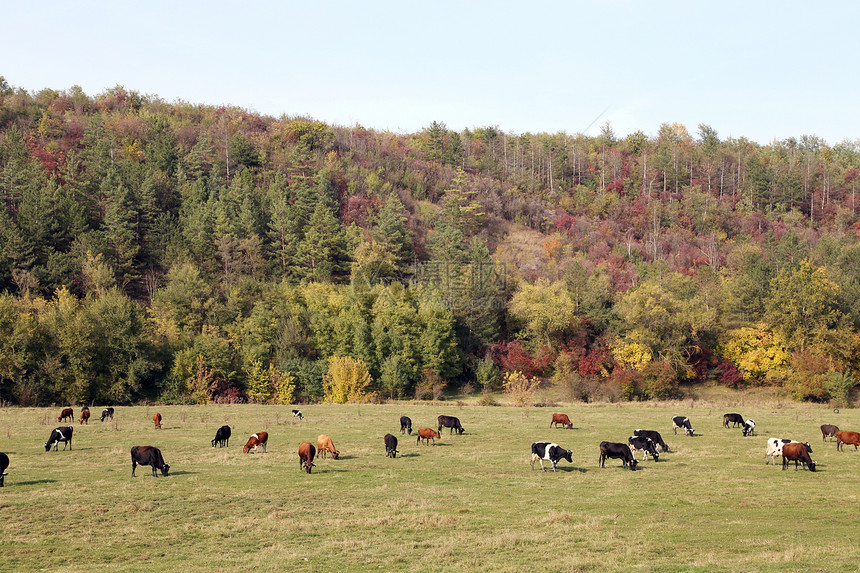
{"x": 346, "y": 381}
{"x": 659, "y": 381}
{"x": 520, "y": 387}
{"x": 431, "y": 386}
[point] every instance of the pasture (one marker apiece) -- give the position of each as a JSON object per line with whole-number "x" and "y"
{"x": 469, "y": 503}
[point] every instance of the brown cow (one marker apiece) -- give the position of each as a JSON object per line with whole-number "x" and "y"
{"x": 324, "y": 444}
{"x": 67, "y": 413}
{"x": 157, "y": 420}
{"x": 306, "y": 456}
{"x": 428, "y": 434}
{"x": 850, "y": 438}
{"x": 798, "y": 453}
{"x": 258, "y": 439}
{"x": 561, "y": 419}
{"x": 85, "y": 415}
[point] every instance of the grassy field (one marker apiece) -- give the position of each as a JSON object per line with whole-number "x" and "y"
{"x": 469, "y": 503}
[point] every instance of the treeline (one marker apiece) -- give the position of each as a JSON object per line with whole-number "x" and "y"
{"x": 186, "y": 252}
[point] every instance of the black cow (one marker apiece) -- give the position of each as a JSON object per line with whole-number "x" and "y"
{"x": 405, "y": 425}
{"x": 61, "y": 434}
{"x": 390, "y": 446}
{"x": 733, "y": 419}
{"x": 107, "y": 413}
{"x": 682, "y": 422}
{"x": 298, "y": 414}
{"x": 749, "y": 427}
{"x": 655, "y": 437}
{"x": 828, "y": 430}
{"x": 4, "y": 463}
{"x": 222, "y": 437}
{"x": 148, "y": 456}
{"x": 551, "y": 452}
{"x": 450, "y": 422}
{"x": 616, "y": 451}
{"x": 643, "y": 444}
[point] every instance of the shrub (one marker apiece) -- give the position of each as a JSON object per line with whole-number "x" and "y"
{"x": 347, "y": 380}
{"x": 659, "y": 381}
{"x": 520, "y": 387}
{"x": 838, "y": 385}
{"x": 431, "y": 386}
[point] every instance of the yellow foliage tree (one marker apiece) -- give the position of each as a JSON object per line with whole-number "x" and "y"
{"x": 520, "y": 387}
{"x": 755, "y": 350}
{"x": 284, "y": 385}
{"x": 347, "y": 380}
{"x": 630, "y": 353}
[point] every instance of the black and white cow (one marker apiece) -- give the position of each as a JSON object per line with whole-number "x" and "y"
{"x": 61, "y": 434}
{"x": 148, "y": 456}
{"x": 643, "y": 444}
{"x": 405, "y": 425}
{"x": 682, "y": 422}
{"x": 616, "y": 451}
{"x": 551, "y": 452}
{"x": 106, "y": 413}
{"x": 298, "y": 414}
{"x": 390, "y": 445}
{"x": 774, "y": 448}
{"x": 655, "y": 437}
{"x": 4, "y": 463}
{"x": 222, "y": 437}
{"x": 749, "y": 427}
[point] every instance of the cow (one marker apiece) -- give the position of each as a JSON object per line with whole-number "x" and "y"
{"x": 258, "y": 439}
{"x": 850, "y": 438}
{"x": 616, "y": 450}
{"x": 405, "y": 425}
{"x": 85, "y": 415}
{"x": 306, "y": 456}
{"x": 551, "y": 452}
{"x": 828, "y": 431}
{"x": 561, "y": 419}
{"x": 61, "y": 434}
{"x": 774, "y": 448}
{"x": 67, "y": 415}
{"x": 390, "y": 446}
{"x": 157, "y": 420}
{"x": 4, "y": 463}
{"x": 643, "y": 444}
{"x": 450, "y": 422}
{"x": 324, "y": 444}
{"x": 428, "y": 434}
{"x": 148, "y": 456}
{"x": 222, "y": 437}
{"x": 733, "y": 419}
{"x": 107, "y": 413}
{"x": 682, "y": 422}
{"x": 298, "y": 414}
{"x": 749, "y": 427}
{"x": 655, "y": 437}
{"x": 798, "y": 453}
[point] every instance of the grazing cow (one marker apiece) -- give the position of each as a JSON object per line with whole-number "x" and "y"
{"x": 643, "y": 444}
{"x": 733, "y": 419}
{"x": 85, "y": 415}
{"x": 222, "y": 437}
{"x": 324, "y": 444}
{"x": 551, "y": 452}
{"x": 828, "y": 431}
{"x": 4, "y": 463}
{"x": 306, "y": 456}
{"x": 655, "y": 437}
{"x": 258, "y": 439}
{"x": 749, "y": 427}
{"x": 148, "y": 456}
{"x": 157, "y": 420}
{"x": 390, "y": 446}
{"x": 428, "y": 434}
{"x": 298, "y": 414}
{"x": 67, "y": 415}
{"x": 61, "y": 434}
{"x": 774, "y": 448}
{"x": 615, "y": 450}
{"x": 682, "y": 422}
{"x": 798, "y": 453}
{"x": 405, "y": 425}
{"x": 561, "y": 419}
{"x": 850, "y": 438}
{"x": 107, "y": 413}
{"x": 450, "y": 422}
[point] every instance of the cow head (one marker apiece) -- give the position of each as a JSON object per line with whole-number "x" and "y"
{"x": 165, "y": 469}
{"x": 808, "y": 447}
{"x": 568, "y": 455}
{"x": 460, "y": 430}
{"x": 2, "y": 478}
{"x": 811, "y": 466}
{"x": 308, "y": 466}
{"x": 633, "y": 464}
{"x": 335, "y": 454}
{"x": 213, "y": 443}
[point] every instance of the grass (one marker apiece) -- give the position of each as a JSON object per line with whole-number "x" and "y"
{"x": 469, "y": 503}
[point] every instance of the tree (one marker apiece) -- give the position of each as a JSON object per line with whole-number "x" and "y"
{"x": 347, "y": 380}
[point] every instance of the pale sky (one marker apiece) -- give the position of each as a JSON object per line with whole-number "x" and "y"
{"x": 761, "y": 70}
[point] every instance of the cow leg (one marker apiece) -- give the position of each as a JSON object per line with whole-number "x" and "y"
{"x": 133, "y": 466}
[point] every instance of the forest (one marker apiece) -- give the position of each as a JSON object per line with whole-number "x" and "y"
{"x": 187, "y": 253}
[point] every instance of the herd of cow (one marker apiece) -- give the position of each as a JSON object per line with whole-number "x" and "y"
{"x": 644, "y": 441}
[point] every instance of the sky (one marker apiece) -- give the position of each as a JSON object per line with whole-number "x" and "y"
{"x": 761, "y": 70}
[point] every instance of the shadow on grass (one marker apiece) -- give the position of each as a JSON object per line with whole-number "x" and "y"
{"x": 34, "y": 482}
{"x": 180, "y": 473}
